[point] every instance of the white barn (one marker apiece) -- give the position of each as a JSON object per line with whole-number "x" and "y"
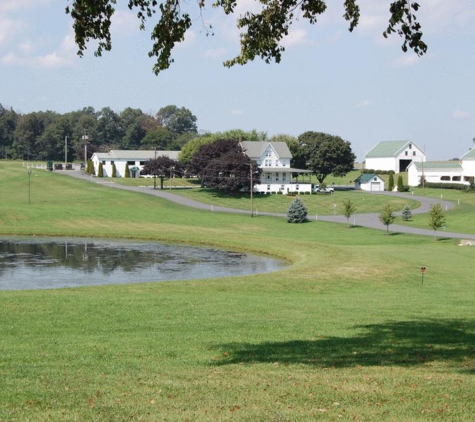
{"x": 136, "y": 159}
{"x": 393, "y": 155}
{"x": 273, "y": 158}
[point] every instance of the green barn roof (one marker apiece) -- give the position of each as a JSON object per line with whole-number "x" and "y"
{"x": 387, "y": 149}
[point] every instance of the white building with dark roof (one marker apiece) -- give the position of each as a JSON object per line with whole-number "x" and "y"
{"x": 135, "y": 159}
{"x": 393, "y": 155}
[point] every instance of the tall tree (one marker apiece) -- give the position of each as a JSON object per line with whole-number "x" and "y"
{"x": 27, "y": 137}
{"x": 8, "y": 122}
{"x": 231, "y": 172}
{"x": 326, "y": 154}
{"x": 208, "y": 152}
{"x": 261, "y": 32}
{"x": 109, "y": 130}
{"x": 177, "y": 120}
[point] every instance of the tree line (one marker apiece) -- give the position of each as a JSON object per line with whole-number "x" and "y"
{"x": 44, "y": 135}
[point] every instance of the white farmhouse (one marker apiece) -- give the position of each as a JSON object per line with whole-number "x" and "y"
{"x": 135, "y": 159}
{"x": 273, "y": 158}
{"x": 393, "y": 155}
{"x": 369, "y": 182}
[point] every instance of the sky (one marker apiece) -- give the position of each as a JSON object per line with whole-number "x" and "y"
{"x": 358, "y": 85}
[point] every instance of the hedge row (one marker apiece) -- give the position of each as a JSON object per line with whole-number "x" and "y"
{"x": 377, "y": 171}
{"x": 455, "y": 186}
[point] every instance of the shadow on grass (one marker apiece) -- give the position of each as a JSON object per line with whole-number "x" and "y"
{"x": 405, "y": 343}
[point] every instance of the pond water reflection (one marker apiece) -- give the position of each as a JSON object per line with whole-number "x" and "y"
{"x": 46, "y": 263}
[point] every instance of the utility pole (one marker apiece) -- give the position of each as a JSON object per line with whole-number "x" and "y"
{"x": 252, "y": 207}
{"x": 65, "y": 151}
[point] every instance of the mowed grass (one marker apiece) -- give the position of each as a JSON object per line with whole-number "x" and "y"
{"x": 347, "y": 332}
{"x": 460, "y": 219}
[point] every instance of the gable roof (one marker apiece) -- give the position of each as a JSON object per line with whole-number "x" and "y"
{"x": 388, "y": 149}
{"x": 366, "y": 177}
{"x": 256, "y": 149}
{"x": 469, "y": 155}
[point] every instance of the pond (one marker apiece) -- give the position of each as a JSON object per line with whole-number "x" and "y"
{"x": 50, "y": 263}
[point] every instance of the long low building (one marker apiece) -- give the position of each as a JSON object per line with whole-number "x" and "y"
{"x": 443, "y": 171}
{"x": 135, "y": 159}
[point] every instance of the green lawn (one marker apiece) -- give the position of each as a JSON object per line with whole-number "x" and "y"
{"x": 460, "y": 219}
{"x": 347, "y": 332}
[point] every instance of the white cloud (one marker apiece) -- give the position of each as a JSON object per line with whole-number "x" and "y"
{"x": 13, "y": 5}
{"x": 124, "y": 23}
{"x": 214, "y": 53}
{"x": 460, "y": 114}
{"x": 364, "y": 103}
{"x": 296, "y": 38}
{"x": 235, "y": 112}
{"x": 63, "y": 57}
{"x": 407, "y": 60}
{"x": 26, "y": 47}
{"x": 8, "y": 27}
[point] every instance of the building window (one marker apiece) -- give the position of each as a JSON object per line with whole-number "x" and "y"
{"x": 456, "y": 178}
{"x": 414, "y": 153}
{"x": 112, "y": 163}
{"x": 277, "y": 176}
{"x": 410, "y": 146}
{"x": 103, "y": 162}
{"x": 142, "y": 163}
{"x": 284, "y": 176}
{"x": 406, "y": 152}
{"x": 466, "y": 178}
{"x": 445, "y": 178}
{"x": 268, "y": 187}
{"x": 268, "y": 177}
{"x": 131, "y": 163}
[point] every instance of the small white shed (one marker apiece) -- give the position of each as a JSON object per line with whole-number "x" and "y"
{"x": 369, "y": 182}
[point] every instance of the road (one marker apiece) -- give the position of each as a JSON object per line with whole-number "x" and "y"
{"x": 365, "y": 220}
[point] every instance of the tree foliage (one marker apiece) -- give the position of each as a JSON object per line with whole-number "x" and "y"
{"x": 436, "y": 218}
{"x": 191, "y": 147}
{"x": 297, "y": 212}
{"x": 223, "y": 165}
{"x": 391, "y": 182}
{"x": 349, "y": 208}
{"x": 261, "y": 32}
{"x": 177, "y": 120}
{"x": 41, "y": 135}
{"x": 400, "y": 184}
{"x": 387, "y": 216}
{"x": 162, "y": 167}
{"x": 325, "y": 154}
{"x": 406, "y": 213}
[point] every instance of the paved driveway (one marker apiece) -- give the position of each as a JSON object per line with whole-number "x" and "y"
{"x": 365, "y": 220}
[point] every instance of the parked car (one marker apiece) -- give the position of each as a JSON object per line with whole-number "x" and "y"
{"x": 325, "y": 189}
